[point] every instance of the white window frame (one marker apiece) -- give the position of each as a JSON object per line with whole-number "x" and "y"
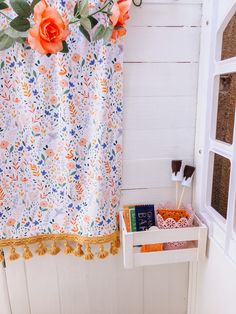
{"x": 211, "y": 67}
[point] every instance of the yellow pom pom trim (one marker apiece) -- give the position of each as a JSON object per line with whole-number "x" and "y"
{"x": 27, "y": 254}
{"x": 102, "y": 253}
{"x": 41, "y": 250}
{"x": 54, "y": 249}
{"x": 13, "y": 255}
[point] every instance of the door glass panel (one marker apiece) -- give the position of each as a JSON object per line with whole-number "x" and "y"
{"x": 229, "y": 40}
{"x": 226, "y": 108}
{"x": 220, "y": 184}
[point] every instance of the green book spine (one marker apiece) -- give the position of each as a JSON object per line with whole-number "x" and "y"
{"x": 133, "y": 219}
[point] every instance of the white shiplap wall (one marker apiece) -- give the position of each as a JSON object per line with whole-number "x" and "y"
{"x": 161, "y": 69}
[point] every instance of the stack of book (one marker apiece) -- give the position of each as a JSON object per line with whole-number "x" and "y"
{"x": 139, "y": 217}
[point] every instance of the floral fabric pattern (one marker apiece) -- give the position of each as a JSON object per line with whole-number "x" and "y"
{"x": 60, "y": 138}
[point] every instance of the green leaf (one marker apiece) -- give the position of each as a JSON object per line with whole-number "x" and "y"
{"x": 65, "y": 47}
{"x": 85, "y": 22}
{"x": 33, "y": 4}
{"x": 20, "y": 40}
{"x": 2, "y": 64}
{"x": 76, "y": 8}
{"x": 15, "y": 34}
{"x": 21, "y": 7}
{"x": 85, "y": 33}
{"x": 93, "y": 21}
{"x": 6, "y": 42}
{"x": 107, "y": 33}
{"x": 99, "y": 33}
{"x": 3, "y": 6}
{"x": 83, "y": 8}
{"x": 20, "y": 24}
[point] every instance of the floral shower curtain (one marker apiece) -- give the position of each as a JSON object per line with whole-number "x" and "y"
{"x": 60, "y": 146}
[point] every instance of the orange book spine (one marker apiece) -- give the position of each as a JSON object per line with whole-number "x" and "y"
{"x": 127, "y": 218}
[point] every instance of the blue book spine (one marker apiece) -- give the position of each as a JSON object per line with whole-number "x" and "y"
{"x": 145, "y": 217}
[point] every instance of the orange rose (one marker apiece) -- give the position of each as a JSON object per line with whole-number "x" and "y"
{"x": 120, "y": 13}
{"x": 50, "y": 30}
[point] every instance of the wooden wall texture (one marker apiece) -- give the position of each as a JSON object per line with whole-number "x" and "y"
{"x": 161, "y": 71}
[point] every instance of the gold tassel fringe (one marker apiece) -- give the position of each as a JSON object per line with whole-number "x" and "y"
{"x": 113, "y": 249}
{"x": 54, "y": 249}
{"x": 41, "y": 250}
{"x": 102, "y": 253}
{"x": 78, "y": 250}
{"x": 80, "y": 241}
{"x": 1, "y": 256}
{"x": 27, "y": 254}
{"x": 88, "y": 255}
{"x": 68, "y": 249}
{"x": 13, "y": 255}
{"x": 117, "y": 242}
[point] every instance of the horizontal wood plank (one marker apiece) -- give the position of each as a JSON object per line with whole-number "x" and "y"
{"x": 152, "y": 113}
{"x": 166, "y": 15}
{"x": 162, "y": 143}
{"x": 166, "y": 257}
{"x": 148, "y": 173}
{"x": 162, "y": 44}
{"x": 160, "y": 79}
{"x": 165, "y": 235}
{"x": 151, "y": 195}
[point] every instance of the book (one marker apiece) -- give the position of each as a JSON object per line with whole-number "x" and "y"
{"x": 132, "y": 219}
{"x": 145, "y": 217}
{"x": 126, "y": 215}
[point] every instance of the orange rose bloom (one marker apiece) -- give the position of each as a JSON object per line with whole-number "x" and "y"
{"x": 50, "y": 30}
{"x": 120, "y": 14}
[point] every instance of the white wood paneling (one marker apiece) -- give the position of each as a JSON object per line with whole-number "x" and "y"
{"x": 17, "y": 285}
{"x": 5, "y": 307}
{"x": 163, "y": 143}
{"x": 173, "y": 44}
{"x": 166, "y": 15}
{"x": 165, "y": 289}
{"x": 216, "y": 283}
{"x": 98, "y": 287}
{"x": 152, "y": 195}
{"x": 160, "y": 113}
{"x": 149, "y": 173}
{"x": 160, "y": 79}
{"x": 42, "y": 278}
